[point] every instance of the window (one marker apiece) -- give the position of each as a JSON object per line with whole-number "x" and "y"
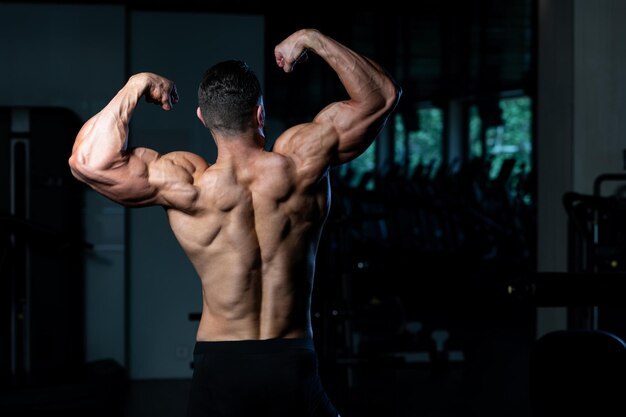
{"x": 475, "y": 126}
{"x": 423, "y": 145}
{"x": 353, "y": 171}
{"x": 512, "y": 139}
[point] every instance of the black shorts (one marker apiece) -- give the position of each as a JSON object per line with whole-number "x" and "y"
{"x": 275, "y": 377}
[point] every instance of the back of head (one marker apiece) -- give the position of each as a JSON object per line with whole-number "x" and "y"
{"x": 228, "y": 95}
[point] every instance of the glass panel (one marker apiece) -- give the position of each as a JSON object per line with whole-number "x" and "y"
{"x": 513, "y": 138}
{"x": 399, "y": 141}
{"x": 353, "y": 171}
{"x": 476, "y": 146}
{"x": 425, "y": 145}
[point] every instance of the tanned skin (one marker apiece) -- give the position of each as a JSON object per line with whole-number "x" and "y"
{"x": 251, "y": 222}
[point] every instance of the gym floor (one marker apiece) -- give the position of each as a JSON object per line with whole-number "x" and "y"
{"x": 391, "y": 390}
{"x": 488, "y": 377}
{"x": 157, "y": 398}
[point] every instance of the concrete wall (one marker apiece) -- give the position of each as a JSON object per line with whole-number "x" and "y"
{"x": 76, "y": 56}
{"x": 73, "y": 57}
{"x": 581, "y": 113}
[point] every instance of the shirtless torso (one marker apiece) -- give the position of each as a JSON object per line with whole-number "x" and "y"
{"x": 251, "y": 222}
{"x": 253, "y": 240}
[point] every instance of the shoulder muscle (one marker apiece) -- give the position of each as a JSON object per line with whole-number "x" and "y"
{"x": 175, "y": 176}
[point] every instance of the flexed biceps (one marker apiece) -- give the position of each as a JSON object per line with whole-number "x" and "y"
{"x": 251, "y": 222}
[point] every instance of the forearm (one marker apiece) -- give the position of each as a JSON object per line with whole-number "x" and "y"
{"x": 365, "y": 81}
{"x": 101, "y": 143}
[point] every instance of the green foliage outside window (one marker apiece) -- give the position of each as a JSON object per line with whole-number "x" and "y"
{"x": 424, "y": 145}
{"x": 366, "y": 162}
{"x": 510, "y": 140}
{"x": 513, "y": 138}
{"x": 475, "y": 125}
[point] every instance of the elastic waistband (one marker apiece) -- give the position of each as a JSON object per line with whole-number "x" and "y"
{"x": 254, "y": 346}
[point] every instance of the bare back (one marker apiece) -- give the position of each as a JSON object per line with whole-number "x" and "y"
{"x": 253, "y": 239}
{"x": 250, "y": 223}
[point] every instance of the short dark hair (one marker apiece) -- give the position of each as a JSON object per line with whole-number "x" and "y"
{"x": 227, "y": 96}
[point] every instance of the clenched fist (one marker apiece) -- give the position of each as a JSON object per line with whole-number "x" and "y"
{"x": 293, "y": 50}
{"x": 157, "y": 89}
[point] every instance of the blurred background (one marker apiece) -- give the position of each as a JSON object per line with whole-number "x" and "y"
{"x": 486, "y": 216}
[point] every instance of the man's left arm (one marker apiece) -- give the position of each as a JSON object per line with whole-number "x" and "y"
{"x": 343, "y": 130}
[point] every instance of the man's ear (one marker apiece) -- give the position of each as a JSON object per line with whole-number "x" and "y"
{"x": 199, "y": 114}
{"x": 260, "y": 116}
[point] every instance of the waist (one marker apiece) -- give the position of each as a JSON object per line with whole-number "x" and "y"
{"x": 254, "y": 346}
{"x": 229, "y": 326}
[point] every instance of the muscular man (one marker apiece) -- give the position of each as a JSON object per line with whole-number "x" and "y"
{"x": 251, "y": 222}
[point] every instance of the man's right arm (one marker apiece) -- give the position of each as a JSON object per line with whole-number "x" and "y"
{"x": 342, "y": 130}
{"x": 137, "y": 176}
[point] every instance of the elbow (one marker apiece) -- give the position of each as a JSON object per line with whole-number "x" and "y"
{"x": 393, "y": 92}
{"x": 81, "y": 169}
{"x": 388, "y": 97}
{"x": 73, "y": 163}
{"x": 398, "y": 93}
{"x": 76, "y": 168}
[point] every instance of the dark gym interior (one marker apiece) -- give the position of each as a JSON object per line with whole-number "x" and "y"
{"x": 473, "y": 261}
